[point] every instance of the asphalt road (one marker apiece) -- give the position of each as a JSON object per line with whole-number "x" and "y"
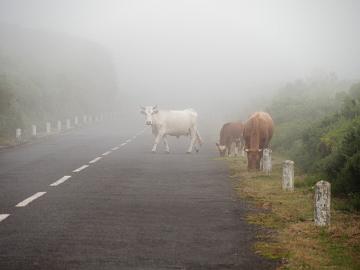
{"x": 129, "y": 209}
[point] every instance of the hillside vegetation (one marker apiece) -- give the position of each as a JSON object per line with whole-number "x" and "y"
{"x": 45, "y": 77}
{"x": 318, "y": 126}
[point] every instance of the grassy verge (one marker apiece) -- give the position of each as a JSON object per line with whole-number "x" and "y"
{"x": 289, "y": 216}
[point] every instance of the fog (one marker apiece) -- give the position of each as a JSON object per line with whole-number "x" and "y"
{"x": 221, "y": 58}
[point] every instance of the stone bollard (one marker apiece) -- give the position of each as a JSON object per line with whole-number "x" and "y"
{"x": 48, "y": 128}
{"x": 76, "y": 121}
{"x": 59, "y": 126}
{"x": 266, "y": 161}
{"x": 18, "y": 134}
{"x": 322, "y": 203}
{"x": 288, "y": 175}
{"x": 68, "y": 125}
{"x": 33, "y": 130}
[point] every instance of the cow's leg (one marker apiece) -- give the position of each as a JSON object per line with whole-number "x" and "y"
{"x": 157, "y": 140}
{"x": 193, "y": 137}
{"x": 167, "y": 148}
{"x": 237, "y": 147}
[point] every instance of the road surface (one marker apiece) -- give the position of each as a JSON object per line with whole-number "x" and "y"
{"x": 97, "y": 198}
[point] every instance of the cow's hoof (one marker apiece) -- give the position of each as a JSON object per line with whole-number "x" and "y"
{"x": 154, "y": 152}
{"x": 167, "y": 152}
{"x": 188, "y": 152}
{"x": 197, "y": 150}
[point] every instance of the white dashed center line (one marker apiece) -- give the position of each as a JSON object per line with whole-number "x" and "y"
{"x": 81, "y": 168}
{"x": 66, "y": 177}
{"x": 30, "y": 199}
{"x": 106, "y": 153}
{"x": 95, "y": 160}
{"x": 60, "y": 181}
{"x": 3, "y": 216}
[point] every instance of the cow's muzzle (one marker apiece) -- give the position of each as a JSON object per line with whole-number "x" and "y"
{"x": 148, "y": 123}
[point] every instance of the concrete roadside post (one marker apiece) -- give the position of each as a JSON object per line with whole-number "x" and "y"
{"x": 48, "y": 128}
{"x": 68, "y": 125}
{"x": 18, "y": 134}
{"x": 322, "y": 200}
{"x": 267, "y": 166}
{"x": 288, "y": 175}
{"x": 33, "y": 130}
{"x": 59, "y": 126}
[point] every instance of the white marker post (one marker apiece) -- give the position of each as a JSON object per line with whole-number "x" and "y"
{"x": 18, "y": 134}
{"x": 267, "y": 166}
{"x": 68, "y": 125}
{"x": 322, "y": 203}
{"x": 288, "y": 175}
{"x": 48, "y": 128}
{"x": 59, "y": 125}
{"x": 84, "y": 119}
{"x": 33, "y": 130}
{"x": 76, "y": 121}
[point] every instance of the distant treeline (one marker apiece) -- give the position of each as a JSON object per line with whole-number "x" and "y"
{"x": 318, "y": 126}
{"x": 45, "y": 77}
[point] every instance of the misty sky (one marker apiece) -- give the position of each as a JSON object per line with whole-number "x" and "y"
{"x": 185, "y": 51}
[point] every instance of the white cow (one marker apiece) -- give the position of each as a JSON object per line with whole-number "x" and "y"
{"x": 172, "y": 123}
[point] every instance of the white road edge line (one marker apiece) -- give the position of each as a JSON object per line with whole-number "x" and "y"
{"x": 60, "y": 181}
{"x": 95, "y": 160}
{"x": 106, "y": 153}
{"x": 30, "y": 199}
{"x": 4, "y": 216}
{"x": 81, "y": 168}
{"x": 115, "y": 148}
{"x": 123, "y": 144}
{"x": 128, "y": 141}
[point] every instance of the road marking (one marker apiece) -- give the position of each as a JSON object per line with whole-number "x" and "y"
{"x": 128, "y": 141}
{"x": 60, "y": 181}
{"x": 115, "y": 148}
{"x": 3, "y": 216}
{"x": 123, "y": 144}
{"x": 95, "y": 160}
{"x": 81, "y": 168}
{"x": 30, "y": 199}
{"x": 106, "y": 153}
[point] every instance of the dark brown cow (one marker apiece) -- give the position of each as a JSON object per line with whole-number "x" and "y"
{"x": 230, "y": 133}
{"x": 258, "y": 132}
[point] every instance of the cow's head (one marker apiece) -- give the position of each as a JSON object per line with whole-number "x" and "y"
{"x": 254, "y": 156}
{"x": 222, "y": 149}
{"x": 149, "y": 111}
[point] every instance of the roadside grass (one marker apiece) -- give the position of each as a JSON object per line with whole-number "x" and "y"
{"x": 5, "y": 141}
{"x": 288, "y": 216}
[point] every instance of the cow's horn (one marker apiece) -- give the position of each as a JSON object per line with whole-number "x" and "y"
{"x": 260, "y": 150}
{"x": 246, "y": 150}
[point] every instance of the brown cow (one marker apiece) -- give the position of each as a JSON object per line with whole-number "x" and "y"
{"x": 258, "y": 132}
{"x": 230, "y": 133}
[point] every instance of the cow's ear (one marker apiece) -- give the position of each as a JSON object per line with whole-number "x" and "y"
{"x": 155, "y": 111}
